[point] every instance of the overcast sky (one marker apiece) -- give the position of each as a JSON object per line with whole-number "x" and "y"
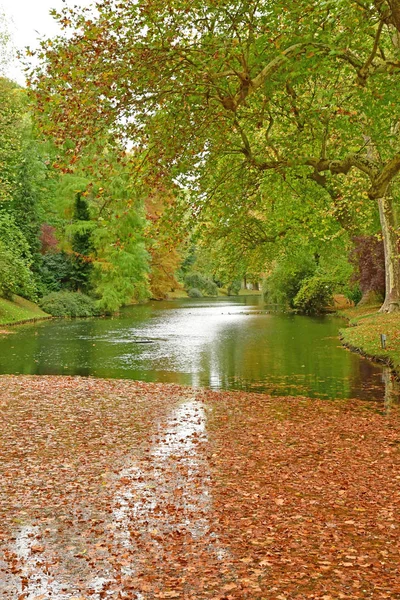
{"x": 30, "y": 20}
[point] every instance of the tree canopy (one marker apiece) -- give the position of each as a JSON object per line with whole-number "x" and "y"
{"x": 302, "y": 95}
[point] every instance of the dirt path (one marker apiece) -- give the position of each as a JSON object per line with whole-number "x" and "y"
{"x": 120, "y": 489}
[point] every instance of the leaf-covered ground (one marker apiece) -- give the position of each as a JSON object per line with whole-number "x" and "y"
{"x": 120, "y": 489}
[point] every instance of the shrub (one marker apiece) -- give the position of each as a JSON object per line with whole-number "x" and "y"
{"x": 314, "y": 295}
{"x": 210, "y": 288}
{"x": 284, "y": 283}
{"x": 194, "y": 293}
{"x": 68, "y": 304}
{"x": 234, "y": 287}
{"x": 353, "y": 293}
{"x": 55, "y": 271}
{"x": 194, "y": 280}
{"x": 200, "y": 283}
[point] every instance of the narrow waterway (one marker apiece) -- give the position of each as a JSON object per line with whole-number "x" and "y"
{"x": 224, "y": 343}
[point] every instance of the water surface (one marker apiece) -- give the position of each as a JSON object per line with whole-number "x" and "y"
{"x": 224, "y": 343}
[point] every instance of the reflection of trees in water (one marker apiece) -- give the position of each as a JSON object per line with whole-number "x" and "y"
{"x": 279, "y": 354}
{"x": 392, "y": 388}
{"x": 367, "y": 380}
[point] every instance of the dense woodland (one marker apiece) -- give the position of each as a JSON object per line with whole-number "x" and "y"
{"x": 174, "y": 145}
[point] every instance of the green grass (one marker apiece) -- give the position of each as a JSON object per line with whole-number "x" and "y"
{"x": 367, "y": 324}
{"x": 244, "y": 292}
{"x": 19, "y": 310}
{"x": 176, "y": 295}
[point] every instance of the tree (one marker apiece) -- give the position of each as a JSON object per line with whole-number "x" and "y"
{"x": 369, "y": 260}
{"x": 11, "y": 115}
{"x": 302, "y": 90}
{"x": 6, "y": 49}
{"x": 164, "y": 248}
{"x": 15, "y": 260}
{"x": 101, "y": 223}
{"x": 82, "y": 246}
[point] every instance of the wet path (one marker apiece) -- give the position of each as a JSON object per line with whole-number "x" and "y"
{"x": 124, "y": 490}
{"x": 157, "y": 521}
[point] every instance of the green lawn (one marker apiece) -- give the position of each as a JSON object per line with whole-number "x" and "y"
{"x": 19, "y": 310}
{"x": 366, "y": 327}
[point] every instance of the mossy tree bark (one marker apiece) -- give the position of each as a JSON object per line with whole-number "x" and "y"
{"x": 392, "y": 258}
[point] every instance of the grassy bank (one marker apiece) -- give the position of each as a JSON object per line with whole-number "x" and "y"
{"x": 364, "y": 334}
{"x": 19, "y": 310}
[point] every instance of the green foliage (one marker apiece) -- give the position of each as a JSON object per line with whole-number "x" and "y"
{"x": 68, "y": 304}
{"x": 15, "y": 260}
{"x": 199, "y": 282}
{"x": 293, "y": 104}
{"x": 285, "y": 281}
{"x": 315, "y": 294}
{"x": 210, "y": 288}
{"x": 100, "y": 224}
{"x": 194, "y": 280}
{"x": 234, "y": 287}
{"x": 6, "y": 50}
{"x": 56, "y": 270}
{"x": 29, "y": 191}
{"x": 354, "y": 293}
{"x": 120, "y": 267}
{"x": 194, "y": 293}
{"x": 82, "y": 246}
{"x": 11, "y": 112}
{"x": 189, "y": 260}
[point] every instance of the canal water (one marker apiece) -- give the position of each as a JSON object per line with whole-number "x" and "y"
{"x": 224, "y": 343}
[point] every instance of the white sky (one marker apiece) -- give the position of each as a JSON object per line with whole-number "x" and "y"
{"x": 29, "y": 20}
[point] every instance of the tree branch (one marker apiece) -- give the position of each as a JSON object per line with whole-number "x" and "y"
{"x": 382, "y": 181}
{"x": 363, "y": 72}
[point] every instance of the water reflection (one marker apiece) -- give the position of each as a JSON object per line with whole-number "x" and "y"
{"x": 221, "y": 343}
{"x": 35, "y": 578}
{"x": 176, "y": 486}
{"x": 160, "y": 513}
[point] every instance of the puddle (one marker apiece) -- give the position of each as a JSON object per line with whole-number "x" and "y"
{"x": 160, "y": 511}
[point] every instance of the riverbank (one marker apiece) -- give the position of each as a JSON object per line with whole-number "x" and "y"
{"x": 363, "y": 335}
{"x": 19, "y": 310}
{"x": 222, "y": 292}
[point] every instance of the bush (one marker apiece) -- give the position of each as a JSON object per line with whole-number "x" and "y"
{"x": 200, "y": 283}
{"x": 194, "y": 293}
{"x": 68, "y": 304}
{"x": 353, "y": 293}
{"x": 234, "y": 287}
{"x": 315, "y": 294}
{"x": 285, "y": 282}
{"x": 55, "y": 271}
{"x": 194, "y": 280}
{"x": 210, "y": 288}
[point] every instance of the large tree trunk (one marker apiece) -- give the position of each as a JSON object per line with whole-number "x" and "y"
{"x": 392, "y": 258}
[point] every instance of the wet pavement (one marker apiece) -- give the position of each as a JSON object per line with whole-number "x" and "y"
{"x": 126, "y": 490}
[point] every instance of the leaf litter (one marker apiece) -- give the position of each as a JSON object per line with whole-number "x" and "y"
{"x": 120, "y": 489}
